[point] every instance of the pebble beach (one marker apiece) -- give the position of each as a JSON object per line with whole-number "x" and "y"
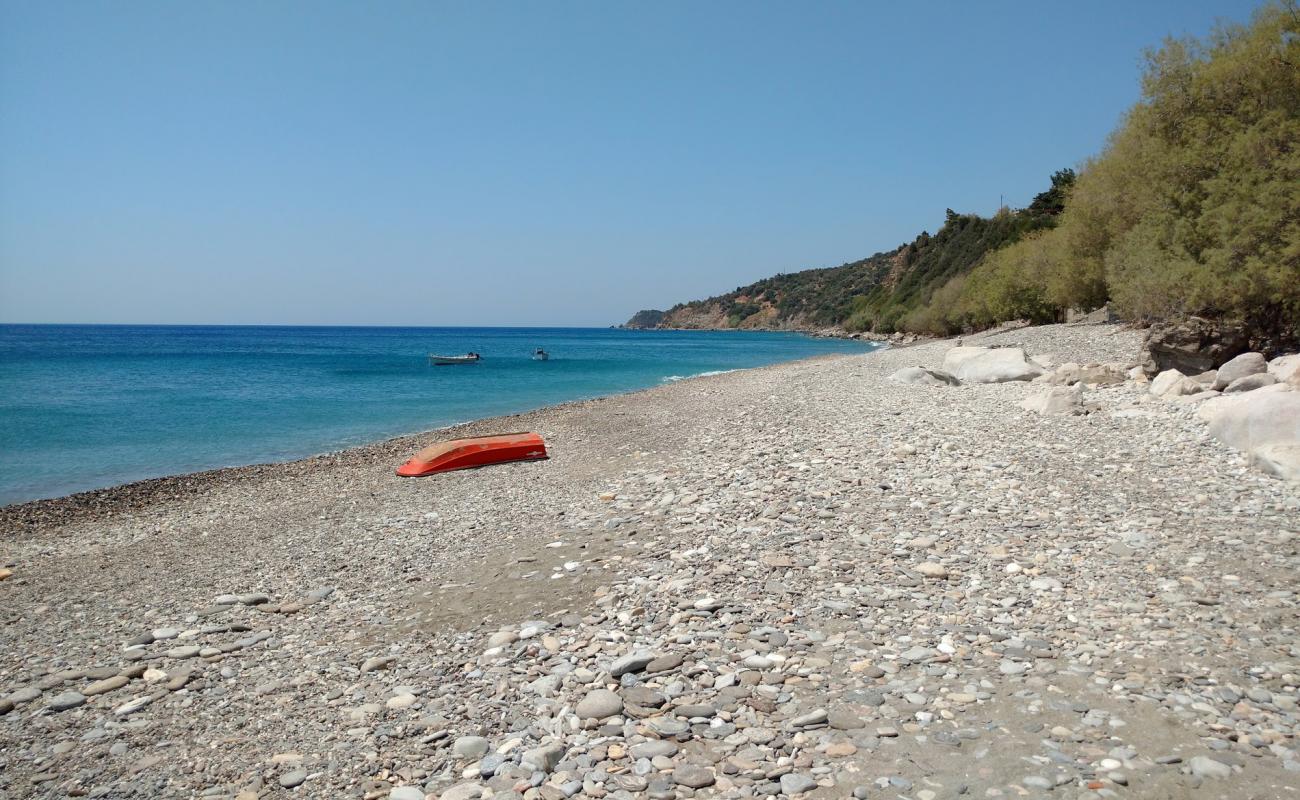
{"x": 801, "y": 580}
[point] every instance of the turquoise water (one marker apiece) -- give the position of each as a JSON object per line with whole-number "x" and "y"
{"x": 88, "y": 406}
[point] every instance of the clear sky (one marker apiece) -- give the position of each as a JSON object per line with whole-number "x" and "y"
{"x": 503, "y": 163}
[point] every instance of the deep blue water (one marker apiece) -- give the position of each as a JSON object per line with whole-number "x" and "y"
{"x": 87, "y": 406}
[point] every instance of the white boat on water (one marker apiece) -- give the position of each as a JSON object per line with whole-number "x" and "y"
{"x": 541, "y": 355}
{"x": 446, "y": 361}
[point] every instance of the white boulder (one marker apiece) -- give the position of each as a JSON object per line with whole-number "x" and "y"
{"x": 1172, "y": 383}
{"x": 1239, "y": 367}
{"x": 1056, "y": 401}
{"x": 1284, "y": 367}
{"x": 920, "y": 376}
{"x": 990, "y": 365}
{"x": 1264, "y": 425}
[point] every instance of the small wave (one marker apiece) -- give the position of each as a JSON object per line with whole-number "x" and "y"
{"x": 675, "y": 378}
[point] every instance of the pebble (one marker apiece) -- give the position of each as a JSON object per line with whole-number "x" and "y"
{"x": 693, "y": 776}
{"x": 599, "y": 704}
{"x": 295, "y": 778}
{"x": 66, "y": 701}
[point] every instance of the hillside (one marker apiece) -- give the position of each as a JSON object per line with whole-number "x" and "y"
{"x": 1191, "y": 209}
{"x": 874, "y": 293}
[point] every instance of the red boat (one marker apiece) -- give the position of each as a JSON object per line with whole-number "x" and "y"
{"x": 477, "y": 452}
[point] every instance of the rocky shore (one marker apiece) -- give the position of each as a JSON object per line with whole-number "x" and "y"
{"x": 806, "y": 580}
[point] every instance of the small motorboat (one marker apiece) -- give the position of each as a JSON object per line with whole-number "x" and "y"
{"x": 446, "y": 361}
{"x": 541, "y": 355}
{"x": 476, "y": 452}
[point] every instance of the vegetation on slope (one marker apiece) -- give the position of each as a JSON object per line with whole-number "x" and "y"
{"x": 1192, "y": 208}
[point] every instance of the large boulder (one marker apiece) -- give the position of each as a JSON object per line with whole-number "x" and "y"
{"x": 1242, "y": 366}
{"x": 1193, "y": 345}
{"x": 1056, "y": 401}
{"x": 1285, "y": 367}
{"x": 1172, "y": 383}
{"x": 1266, "y": 426}
{"x": 920, "y": 376}
{"x": 990, "y": 365}
{"x": 1250, "y": 383}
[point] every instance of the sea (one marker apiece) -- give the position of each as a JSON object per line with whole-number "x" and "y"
{"x": 89, "y": 406}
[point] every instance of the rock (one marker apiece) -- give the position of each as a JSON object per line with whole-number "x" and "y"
{"x": 1284, "y": 368}
{"x": 811, "y": 719}
{"x": 1192, "y": 346}
{"x": 664, "y": 663}
{"x": 990, "y": 365}
{"x": 1056, "y": 401}
{"x": 1206, "y": 767}
{"x": 921, "y": 376}
{"x": 1242, "y": 366}
{"x": 470, "y": 748}
{"x": 406, "y": 793}
{"x": 1266, "y": 426}
{"x": 630, "y": 663}
{"x": 6, "y": 705}
{"x": 599, "y": 704}
{"x": 5, "y": 573}
{"x": 24, "y": 695}
{"x": 1069, "y": 374}
{"x": 793, "y": 783}
{"x": 106, "y": 685}
{"x": 1172, "y": 383}
{"x": 462, "y": 791}
{"x": 655, "y": 748}
{"x": 692, "y": 776}
{"x": 377, "y": 662}
{"x": 1279, "y": 460}
{"x": 295, "y": 778}
{"x": 842, "y": 719}
{"x": 1250, "y": 383}
{"x": 931, "y": 569}
{"x": 543, "y": 759}
{"x": 66, "y": 701}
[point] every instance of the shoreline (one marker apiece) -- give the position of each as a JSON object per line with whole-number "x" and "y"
{"x": 29, "y": 515}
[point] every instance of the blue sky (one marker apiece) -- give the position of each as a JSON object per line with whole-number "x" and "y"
{"x": 521, "y": 163}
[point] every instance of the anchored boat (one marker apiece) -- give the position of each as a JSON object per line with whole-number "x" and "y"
{"x": 476, "y": 452}
{"x": 446, "y": 361}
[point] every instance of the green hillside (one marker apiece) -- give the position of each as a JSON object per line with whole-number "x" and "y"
{"x": 1193, "y": 207}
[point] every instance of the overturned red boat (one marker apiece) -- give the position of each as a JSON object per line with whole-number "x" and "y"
{"x": 476, "y": 452}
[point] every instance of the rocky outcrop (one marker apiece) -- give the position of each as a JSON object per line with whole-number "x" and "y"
{"x": 921, "y": 376}
{"x": 1193, "y": 346}
{"x": 990, "y": 365}
{"x": 648, "y": 318}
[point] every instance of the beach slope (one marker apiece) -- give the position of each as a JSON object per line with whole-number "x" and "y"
{"x": 804, "y": 579}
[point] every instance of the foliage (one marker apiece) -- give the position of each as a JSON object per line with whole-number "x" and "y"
{"x": 1192, "y": 207}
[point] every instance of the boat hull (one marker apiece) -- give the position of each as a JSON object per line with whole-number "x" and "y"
{"x": 476, "y": 452}
{"x": 447, "y": 361}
